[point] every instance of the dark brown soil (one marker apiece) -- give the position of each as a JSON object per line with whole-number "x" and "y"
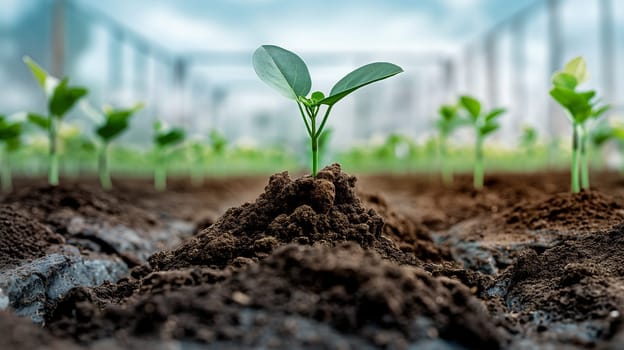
{"x": 22, "y": 239}
{"x": 56, "y": 206}
{"x": 521, "y": 264}
{"x": 354, "y": 291}
{"x": 321, "y": 211}
{"x": 577, "y": 284}
{"x": 585, "y": 211}
{"x": 21, "y": 333}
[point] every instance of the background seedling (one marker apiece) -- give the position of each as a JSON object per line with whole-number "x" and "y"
{"x": 10, "y": 133}
{"x": 484, "y": 124}
{"x": 165, "y": 138}
{"x": 528, "y": 140}
{"x": 447, "y": 123}
{"x": 288, "y": 74}
{"x": 580, "y": 107}
{"x": 61, "y": 98}
{"x": 111, "y": 124}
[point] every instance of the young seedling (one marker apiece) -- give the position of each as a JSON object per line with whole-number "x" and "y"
{"x": 61, "y": 98}
{"x": 286, "y": 72}
{"x": 164, "y": 139}
{"x": 10, "y": 133}
{"x": 484, "y": 124}
{"x": 113, "y": 122}
{"x": 528, "y": 140}
{"x": 447, "y": 123}
{"x": 580, "y": 107}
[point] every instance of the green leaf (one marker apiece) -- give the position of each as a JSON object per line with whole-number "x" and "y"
{"x": 472, "y": 105}
{"x": 10, "y": 130}
{"x": 489, "y": 128}
{"x": 317, "y": 96}
{"x": 170, "y": 137}
{"x": 39, "y": 73}
{"x": 282, "y": 70}
{"x": 360, "y": 77}
{"x": 565, "y": 80}
{"x": 47, "y": 82}
{"x": 577, "y": 67}
{"x": 600, "y": 111}
{"x": 116, "y": 122}
{"x": 39, "y": 120}
{"x": 493, "y": 114}
{"x": 64, "y": 98}
{"x": 448, "y": 112}
{"x": 577, "y": 104}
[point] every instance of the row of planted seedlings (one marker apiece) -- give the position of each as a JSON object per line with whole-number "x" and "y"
{"x": 288, "y": 74}
{"x": 581, "y": 107}
{"x": 110, "y": 123}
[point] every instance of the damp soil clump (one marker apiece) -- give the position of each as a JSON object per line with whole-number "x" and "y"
{"x": 290, "y": 298}
{"x": 311, "y": 211}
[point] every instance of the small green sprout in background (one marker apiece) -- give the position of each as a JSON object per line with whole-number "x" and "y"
{"x": 112, "y": 123}
{"x": 581, "y": 106}
{"x": 61, "y": 98}
{"x": 484, "y": 124}
{"x": 164, "y": 139}
{"x": 10, "y": 132}
{"x": 528, "y": 140}
{"x": 448, "y": 122}
{"x": 286, "y": 72}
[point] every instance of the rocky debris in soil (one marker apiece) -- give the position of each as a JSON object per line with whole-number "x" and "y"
{"x": 410, "y": 235}
{"x": 570, "y": 293}
{"x": 37, "y": 268}
{"x": 22, "y": 239}
{"x": 32, "y": 286}
{"x": 20, "y": 333}
{"x": 321, "y": 211}
{"x": 95, "y": 220}
{"x": 298, "y": 296}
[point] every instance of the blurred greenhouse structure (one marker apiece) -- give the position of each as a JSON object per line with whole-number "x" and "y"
{"x": 510, "y": 66}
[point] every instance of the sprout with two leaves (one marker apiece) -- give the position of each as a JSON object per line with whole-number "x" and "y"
{"x": 61, "y": 97}
{"x": 165, "y": 138}
{"x": 484, "y": 124}
{"x": 10, "y": 132}
{"x": 110, "y": 124}
{"x": 286, "y": 72}
{"x": 580, "y": 107}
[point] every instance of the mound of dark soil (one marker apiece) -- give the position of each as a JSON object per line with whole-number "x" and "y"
{"x": 584, "y": 211}
{"x": 570, "y": 292}
{"x": 355, "y": 292}
{"x": 22, "y": 239}
{"x": 57, "y": 205}
{"x": 322, "y": 211}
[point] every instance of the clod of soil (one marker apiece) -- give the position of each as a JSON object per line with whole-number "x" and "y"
{"x": 322, "y": 211}
{"x": 22, "y": 239}
{"x": 287, "y": 296}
